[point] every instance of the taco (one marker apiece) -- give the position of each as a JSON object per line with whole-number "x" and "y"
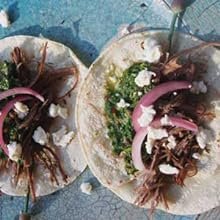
{"x": 40, "y": 150}
{"x": 149, "y": 121}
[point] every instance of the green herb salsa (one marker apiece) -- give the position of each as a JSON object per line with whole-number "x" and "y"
{"x": 120, "y": 129}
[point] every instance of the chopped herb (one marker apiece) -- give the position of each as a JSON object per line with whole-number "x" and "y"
{"x": 119, "y": 124}
{"x": 8, "y": 77}
{"x": 2, "y": 154}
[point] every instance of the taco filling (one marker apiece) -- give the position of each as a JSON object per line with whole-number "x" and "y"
{"x": 156, "y": 113}
{"x": 29, "y": 103}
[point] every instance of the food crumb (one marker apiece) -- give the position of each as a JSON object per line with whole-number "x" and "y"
{"x": 86, "y": 188}
{"x": 4, "y": 19}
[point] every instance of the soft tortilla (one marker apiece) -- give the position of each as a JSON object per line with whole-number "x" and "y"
{"x": 72, "y": 160}
{"x": 201, "y": 192}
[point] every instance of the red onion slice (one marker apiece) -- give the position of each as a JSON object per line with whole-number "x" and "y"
{"x": 149, "y": 98}
{"x": 4, "y": 112}
{"x": 142, "y": 132}
{"x": 21, "y": 90}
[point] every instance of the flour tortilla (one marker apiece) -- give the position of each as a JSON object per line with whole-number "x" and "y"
{"x": 72, "y": 160}
{"x": 201, "y": 192}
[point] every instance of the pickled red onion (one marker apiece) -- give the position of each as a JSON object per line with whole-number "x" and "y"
{"x": 21, "y": 90}
{"x": 149, "y": 98}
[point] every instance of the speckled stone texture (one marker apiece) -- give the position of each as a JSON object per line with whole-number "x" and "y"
{"x": 86, "y": 26}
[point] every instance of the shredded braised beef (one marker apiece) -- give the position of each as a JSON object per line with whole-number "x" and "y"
{"x": 33, "y": 153}
{"x": 152, "y": 184}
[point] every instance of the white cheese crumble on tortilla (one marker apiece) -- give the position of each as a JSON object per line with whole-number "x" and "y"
{"x": 216, "y": 105}
{"x": 122, "y": 104}
{"x": 14, "y": 151}
{"x": 40, "y": 136}
{"x": 165, "y": 120}
{"x": 21, "y": 110}
{"x": 147, "y": 115}
{"x": 144, "y": 78}
{"x": 168, "y": 169}
{"x": 152, "y": 50}
{"x": 171, "y": 142}
{"x": 58, "y": 110}
{"x": 203, "y": 137}
{"x": 61, "y": 137}
{"x": 196, "y": 156}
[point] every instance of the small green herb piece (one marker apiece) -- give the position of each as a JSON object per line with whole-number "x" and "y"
{"x": 13, "y": 133}
{"x": 8, "y": 76}
{"x": 2, "y": 154}
{"x": 4, "y": 82}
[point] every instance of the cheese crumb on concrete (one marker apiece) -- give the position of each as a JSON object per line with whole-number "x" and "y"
{"x": 86, "y": 188}
{"x": 4, "y": 19}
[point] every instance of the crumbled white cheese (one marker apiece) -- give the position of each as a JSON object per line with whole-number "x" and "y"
{"x": 149, "y": 145}
{"x": 157, "y": 133}
{"x": 58, "y": 110}
{"x": 198, "y": 87}
{"x": 144, "y": 78}
{"x": 4, "y": 19}
{"x": 154, "y": 134}
{"x": 171, "y": 142}
{"x": 203, "y": 137}
{"x": 21, "y": 109}
{"x": 147, "y": 115}
{"x": 14, "y": 151}
{"x": 152, "y": 50}
{"x": 216, "y": 105}
{"x": 86, "y": 188}
{"x": 122, "y": 104}
{"x": 40, "y": 136}
{"x": 61, "y": 137}
{"x": 196, "y": 156}
{"x": 165, "y": 120}
{"x": 140, "y": 93}
{"x": 168, "y": 169}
